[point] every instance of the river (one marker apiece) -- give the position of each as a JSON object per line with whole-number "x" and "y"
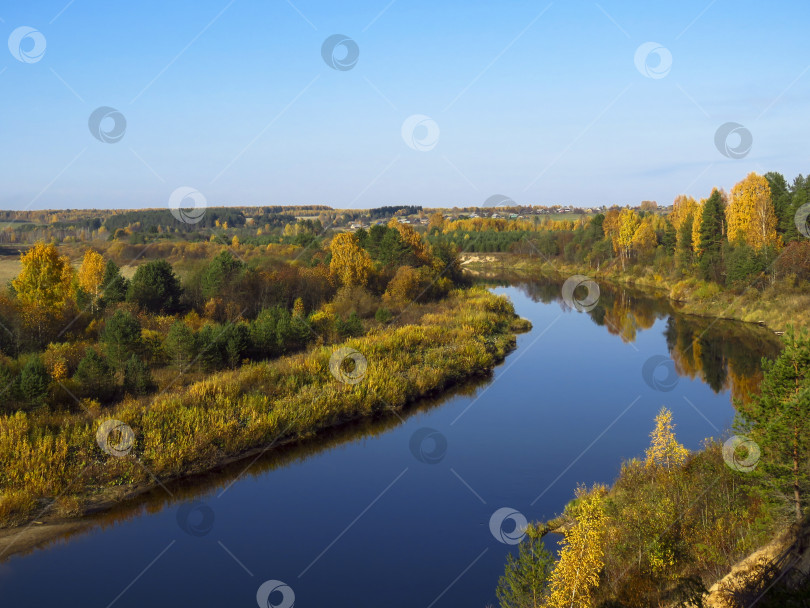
{"x": 397, "y": 512}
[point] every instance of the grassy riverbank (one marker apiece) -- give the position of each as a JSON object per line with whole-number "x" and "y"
{"x": 51, "y": 463}
{"x": 774, "y": 305}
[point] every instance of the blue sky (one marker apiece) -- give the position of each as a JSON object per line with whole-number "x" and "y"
{"x": 538, "y": 101}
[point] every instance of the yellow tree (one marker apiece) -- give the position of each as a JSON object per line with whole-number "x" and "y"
{"x": 436, "y": 221}
{"x": 696, "y": 220}
{"x": 576, "y": 576}
{"x": 664, "y": 450}
{"x": 91, "y": 273}
{"x": 411, "y": 238}
{"x": 628, "y": 223}
{"x": 644, "y": 238}
{"x": 681, "y": 208}
{"x": 350, "y": 262}
{"x": 43, "y": 285}
{"x": 750, "y": 214}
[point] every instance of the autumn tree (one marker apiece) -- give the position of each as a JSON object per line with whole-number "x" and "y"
{"x": 750, "y": 214}
{"x": 576, "y": 576}
{"x": 350, "y": 263}
{"x": 628, "y": 223}
{"x": 91, "y": 276}
{"x": 697, "y": 220}
{"x": 682, "y": 207}
{"x": 412, "y": 239}
{"x": 644, "y": 238}
{"x": 664, "y": 450}
{"x": 436, "y": 221}
{"x": 43, "y": 286}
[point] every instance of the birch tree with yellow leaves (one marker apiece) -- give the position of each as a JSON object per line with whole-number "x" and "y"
{"x": 91, "y": 275}
{"x": 350, "y": 262}
{"x": 576, "y": 576}
{"x": 750, "y": 214}
{"x": 681, "y": 208}
{"x": 43, "y": 286}
{"x": 664, "y": 450}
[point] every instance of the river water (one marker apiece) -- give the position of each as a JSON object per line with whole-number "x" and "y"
{"x": 397, "y": 512}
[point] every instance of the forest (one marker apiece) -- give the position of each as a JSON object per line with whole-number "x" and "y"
{"x": 237, "y": 353}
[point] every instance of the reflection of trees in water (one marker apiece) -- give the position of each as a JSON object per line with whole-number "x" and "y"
{"x": 725, "y": 354}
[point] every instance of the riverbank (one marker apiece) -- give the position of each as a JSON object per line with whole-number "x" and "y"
{"x": 52, "y": 469}
{"x": 774, "y": 306}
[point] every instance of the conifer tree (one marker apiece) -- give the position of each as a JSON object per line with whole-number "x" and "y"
{"x": 778, "y": 417}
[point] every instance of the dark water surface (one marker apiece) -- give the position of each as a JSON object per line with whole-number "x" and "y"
{"x": 369, "y": 515}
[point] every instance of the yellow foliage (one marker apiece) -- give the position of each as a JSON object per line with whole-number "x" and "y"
{"x": 681, "y": 208}
{"x": 411, "y": 238}
{"x": 91, "y": 273}
{"x": 750, "y": 214}
{"x": 664, "y": 450}
{"x": 350, "y": 263}
{"x": 575, "y": 578}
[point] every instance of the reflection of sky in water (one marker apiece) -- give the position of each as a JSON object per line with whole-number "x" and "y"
{"x": 564, "y": 408}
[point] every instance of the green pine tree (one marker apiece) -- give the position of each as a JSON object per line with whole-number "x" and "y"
{"x": 778, "y": 418}
{"x": 34, "y": 381}
{"x": 712, "y": 237}
{"x": 524, "y": 583}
